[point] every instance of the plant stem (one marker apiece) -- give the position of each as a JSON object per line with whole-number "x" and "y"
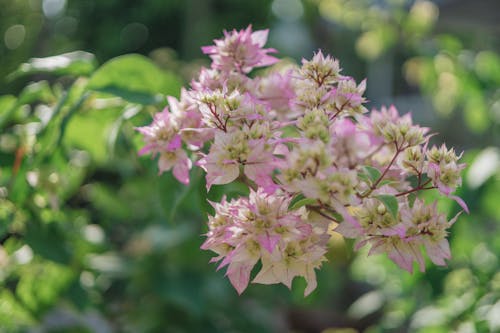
{"x": 398, "y": 151}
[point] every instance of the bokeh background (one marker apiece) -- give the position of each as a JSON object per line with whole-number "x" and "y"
{"x": 93, "y": 240}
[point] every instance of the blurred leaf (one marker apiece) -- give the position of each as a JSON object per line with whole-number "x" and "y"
{"x": 136, "y": 79}
{"x": 487, "y": 66}
{"x": 109, "y": 264}
{"x": 77, "y": 63}
{"x": 33, "y": 92}
{"x": 373, "y": 43}
{"x": 172, "y": 193}
{"x": 161, "y": 238}
{"x": 303, "y": 202}
{"x": 77, "y": 295}
{"x": 50, "y": 137}
{"x": 39, "y": 289}
{"x": 36, "y": 92}
{"x": 7, "y": 211}
{"x": 421, "y": 18}
{"x": 19, "y": 186}
{"x": 7, "y": 108}
{"x": 490, "y": 198}
{"x": 6, "y": 102}
{"x": 13, "y": 315}
{"x": 89, "y": 131}
{"x": 390, "y": 202}
{"x": 183, "y": 292}
{"x": 366, "y": 305}
{"x": 116, "y": 128}
{"x": 340, "y": 330}
{"x": 484, "y": 166}
{"x": 476, "y": 112}
{"x": 106, "y": 201}
{"x": 450, "y": 43}
{"x": 48, "y": 241}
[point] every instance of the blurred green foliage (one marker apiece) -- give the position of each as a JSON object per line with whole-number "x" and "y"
{"x": 93, "y": 240}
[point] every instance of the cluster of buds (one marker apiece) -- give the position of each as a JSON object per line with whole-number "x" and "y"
{"x": 313, "y": 159}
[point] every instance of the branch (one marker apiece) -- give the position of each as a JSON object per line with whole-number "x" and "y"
{"x": 398, "y": 151}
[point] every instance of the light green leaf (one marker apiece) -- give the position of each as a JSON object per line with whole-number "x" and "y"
{"x": 136, "y": 79}
{"x": 90, "y": 130}
{"x": 476, "y": 111}
{"x": 303, "y": 202}
{"x": 42, "y": 284}
{"x": 386, "y": 182}
{"x": 35, "y": 92}
{"x": 6, "y": 102}
{"x": 77, "y": 63}
{"x": 7, "y": 107}
{"x": 13, "y": 314}
{"x": 390, "y": 202}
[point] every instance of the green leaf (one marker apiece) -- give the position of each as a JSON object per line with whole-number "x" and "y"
{"x": 303, "y": 202}
{"x": 34, "y": 92}
{"x": 476, "y": 111}
{"x": 13, "y": 314}
{"x": 6, "y": 102}
{"x": 89, "y": 131}
{"x": 77, "y": 63}
{"x": 48, "y": 241}
{"x": 107, "y": 202}
{"x": 171, "y": 194}
{"x": 42, "y": 284}
{"x": 136, "y": 79}
{"x": 386, "y": 182}
{"x": 390, "y": 202}
{"x": 7, "y": 215}
{"x": 7, "y": 108}
{"x": 373, "y": 173}
{"x": 51, "y": 136}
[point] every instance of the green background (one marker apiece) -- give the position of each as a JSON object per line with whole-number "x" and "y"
{"x": 93, "y": 240}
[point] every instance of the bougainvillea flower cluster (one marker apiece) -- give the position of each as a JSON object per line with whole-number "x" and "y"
{"x": 312, "y": 157}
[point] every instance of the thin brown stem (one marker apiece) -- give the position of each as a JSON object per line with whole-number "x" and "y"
{"x": 318, "y": 210}
{"x": 398, "y": 151}
{"x": 18, "y": 160}
{"x": 420, "y": 187}
{"x": 244, "y": 179}
{"x": 374, "y": 152}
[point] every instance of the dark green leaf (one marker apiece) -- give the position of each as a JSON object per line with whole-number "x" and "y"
{"x": 77, "y": 63}
{"x": 48, "y": 241}
{"x": 390, "y": 202}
